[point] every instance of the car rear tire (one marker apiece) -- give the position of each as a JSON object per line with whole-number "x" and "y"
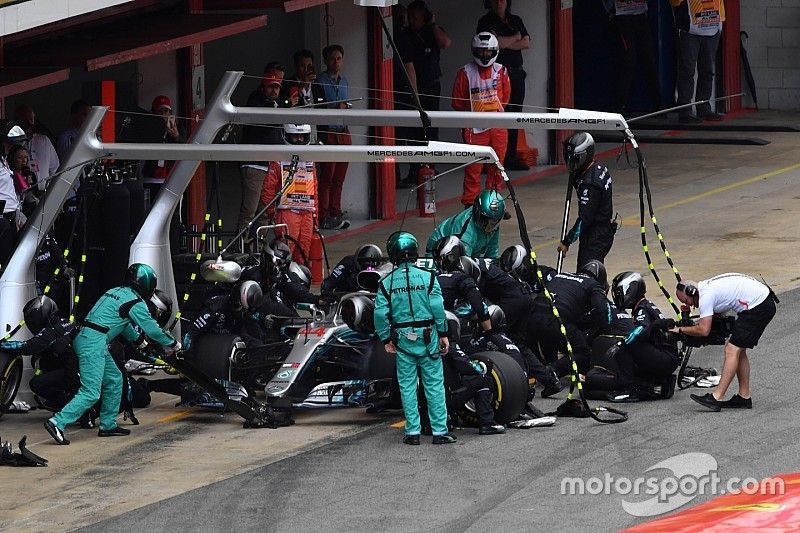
{"x": 509, "y": 389}
{"x": 10, "y": 379}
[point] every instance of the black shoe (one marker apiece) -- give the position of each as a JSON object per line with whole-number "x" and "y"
{"x": 553, "y": 389}
{"x": 412, "y": 440}
{"x": 708, "y": 401}
{"x": 689, "y": 119}
{"x": 56, "y": 433}
{"x": 495, "y": 429}
{"x": 737, "y": 402}
{"x": 715, "y": 117}
{"x": 116, "y": 432}
{"x": 447, "y": 438}
{"x": 515, "y": 164}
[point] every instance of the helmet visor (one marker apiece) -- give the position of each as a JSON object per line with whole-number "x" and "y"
{"x": 487, "y": 224}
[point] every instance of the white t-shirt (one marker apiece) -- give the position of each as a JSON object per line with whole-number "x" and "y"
{"x": 730, "y": 292}
{"x": 7, "y": 191}
{"x": 43, "y": 158}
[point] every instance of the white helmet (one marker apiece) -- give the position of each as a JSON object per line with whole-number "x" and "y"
{"x": 485, "y": 48}
{"x": 297, "y": 133}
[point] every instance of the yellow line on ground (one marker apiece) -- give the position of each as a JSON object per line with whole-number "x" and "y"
{"x": 726, "y": 188}
{"x": 174, "y": 417}
{"x": 694, "y": 198}
{"x": 399, "y": 425}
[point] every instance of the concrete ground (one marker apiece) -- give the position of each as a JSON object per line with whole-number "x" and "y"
{"x": 721, "y": 208}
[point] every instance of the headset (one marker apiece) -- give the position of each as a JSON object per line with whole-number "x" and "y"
{"x": 689, "y": 290}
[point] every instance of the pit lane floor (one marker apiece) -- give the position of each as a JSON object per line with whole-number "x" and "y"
{"x": 721, "y": 208}
{"x": 512, "y": 482}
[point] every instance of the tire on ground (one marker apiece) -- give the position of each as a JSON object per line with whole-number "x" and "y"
{"x": 210, "y": 353}
{"x": 509, "y": 388}
{"x": 10, "y": 378}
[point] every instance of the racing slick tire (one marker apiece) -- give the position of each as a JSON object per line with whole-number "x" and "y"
{"x": 10, "y": 378}
{"x": 509, "y": 388}
{"x": 211, "y": 354}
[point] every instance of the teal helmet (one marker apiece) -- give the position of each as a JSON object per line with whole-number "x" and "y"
{"x": 402, "y": 246}
{"x": 488, "y": 210}
{"x": 142, "y": 279}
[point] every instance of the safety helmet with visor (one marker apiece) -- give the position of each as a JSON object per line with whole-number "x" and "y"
{"x": 485, "y": 49}
{"x": 297, "y": 134}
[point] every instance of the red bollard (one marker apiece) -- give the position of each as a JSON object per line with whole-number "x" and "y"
{"x": 315, "y": 258}
{"x": 426, "y": 194}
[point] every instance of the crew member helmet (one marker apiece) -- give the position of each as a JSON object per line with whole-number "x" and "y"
{"x": 161, "y": 307}
{"x": 301, "y": 273}
{"x": 39, "y": 312}
{"x": 142, "y": 279}
{"x": 369, "y": 256}
{"x": 597, "y": 270}
{"x": 485, "y": 49}
{"x": 579, "y": 152}
{"x": 297, "y": 134}
{"x": 402, "y": 246}
{"x": 250, "y": 294}
{"x": 447, "y": 253}
{"x": 488, "y": 210}
{"x": 627, "y": 288}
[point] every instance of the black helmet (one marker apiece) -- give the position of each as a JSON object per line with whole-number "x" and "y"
{"x": 627, "y": 289}
{"x": 516, "y": 260}
{"x": 161, "y": 307}
{"x": 447, "y": 253}
{"x": 470, "y": 267}
{"x": 453, "y": 326}
{"x": 402, "y": 246}
{"x": 358, "y": 312}
{"x": 579, "y": 152}
{"x": 597, "y": 270}
{"x": 142, "y": 279}
{"x": 497, "y": 317}
{"x": 369, "y": 255}
{"x": 39, "y": 312}
{"x": 277, "y": 257}
{"x": 301, "y": 273}
{"x": 250, "y": 294}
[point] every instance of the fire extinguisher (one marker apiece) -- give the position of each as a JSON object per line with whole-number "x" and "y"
{"x": 426, "y": 194}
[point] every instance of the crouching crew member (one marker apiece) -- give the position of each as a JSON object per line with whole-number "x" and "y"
{"x": 410, "y": 321}
{"x": 469, "y": 380}
{"x": 115, "y": 313}
{"x": 754, "y": 305}
{"x": 576, "y": 296}
{"x": 56, "y": 379}
{"x": 650, "y": 347}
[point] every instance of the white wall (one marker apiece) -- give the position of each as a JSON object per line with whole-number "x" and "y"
{"x": 347, "y": 25}
{"x": 157, "y": 76}
{"x": 773, "y": 50}
{"x": 33, "y": 13}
